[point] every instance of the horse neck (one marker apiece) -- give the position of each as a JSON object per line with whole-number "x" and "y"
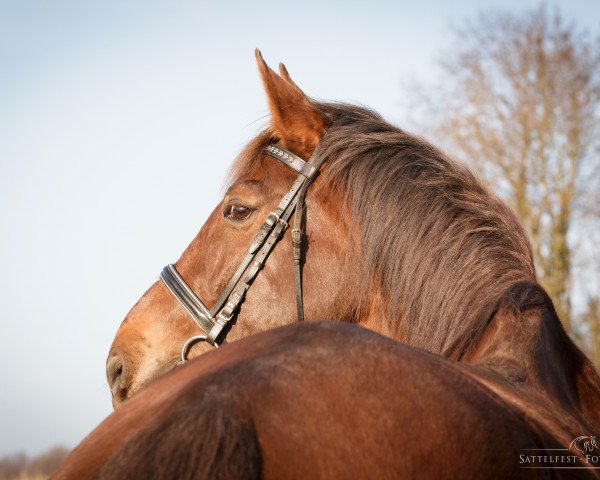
{"x": 526, "y": 346}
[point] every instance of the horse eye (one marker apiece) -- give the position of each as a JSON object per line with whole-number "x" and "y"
{"x": 237, "y": 212}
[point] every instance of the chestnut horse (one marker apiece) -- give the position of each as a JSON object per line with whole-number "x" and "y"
{"x": 400, "y": 239}
{"x": 326, "y": 400}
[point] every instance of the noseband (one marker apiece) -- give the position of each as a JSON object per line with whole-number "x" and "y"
{"x": 214, "y": 321}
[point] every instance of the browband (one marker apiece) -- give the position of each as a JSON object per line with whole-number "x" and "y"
{"x": 294, "y": 161}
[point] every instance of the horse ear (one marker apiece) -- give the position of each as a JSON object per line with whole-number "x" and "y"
{"x": 283, "y": 73}
{"x": 294, "y": 117}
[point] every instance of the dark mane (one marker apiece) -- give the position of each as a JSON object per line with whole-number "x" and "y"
{"x": 441, "y": 248}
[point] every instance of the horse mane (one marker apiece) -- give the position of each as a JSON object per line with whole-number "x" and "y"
{"x": 440, "y": 248}
{"x": 526, "y": 344}
{"x": 445, "y": 252}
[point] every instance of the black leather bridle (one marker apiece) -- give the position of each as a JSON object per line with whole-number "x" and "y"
{"x": 215, "y": 320}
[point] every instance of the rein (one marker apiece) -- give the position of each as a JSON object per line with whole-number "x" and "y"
{"x": 214, "y": 321}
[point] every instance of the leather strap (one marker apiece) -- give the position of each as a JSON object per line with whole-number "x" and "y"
{"x": 297, "y": 247}
{"x": 282, "y": 212}
{"x": 214, "y": 321}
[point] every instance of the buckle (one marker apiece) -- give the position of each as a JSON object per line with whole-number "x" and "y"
{"x": 272, "y": 219}
{"x": 265, "y": 229}
{"x": 277, "y": 232}
{"x": 284, "y": 223}
{"x": 297, "y": 236}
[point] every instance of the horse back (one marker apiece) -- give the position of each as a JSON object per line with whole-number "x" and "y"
{"x": 314, "y": 400}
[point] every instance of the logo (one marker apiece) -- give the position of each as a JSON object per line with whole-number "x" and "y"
{"x": 583, "y": 452}
{"x": 584, "y": 444}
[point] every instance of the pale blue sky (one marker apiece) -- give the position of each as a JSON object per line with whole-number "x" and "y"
{"x": 118, "y": 121}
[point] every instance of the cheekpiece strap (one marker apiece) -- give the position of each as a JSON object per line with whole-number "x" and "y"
{"x": 294, "y": 161}
{"x": 214, "y": 321}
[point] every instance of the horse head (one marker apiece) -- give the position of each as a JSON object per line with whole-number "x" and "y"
{"x": 150, "y": 339}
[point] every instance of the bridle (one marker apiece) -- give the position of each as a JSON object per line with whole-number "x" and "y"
{"x": 214, "y": 321}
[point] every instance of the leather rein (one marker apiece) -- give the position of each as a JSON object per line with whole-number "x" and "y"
{"x": 214, "y": 321}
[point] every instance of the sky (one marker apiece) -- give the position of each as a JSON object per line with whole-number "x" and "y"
{"x": 118, "y": 123}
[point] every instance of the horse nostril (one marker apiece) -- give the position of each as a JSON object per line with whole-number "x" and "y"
{"x": 116, "y": 375}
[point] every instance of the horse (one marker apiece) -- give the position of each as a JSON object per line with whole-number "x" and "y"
{"x": 323, "y": 400}
{"x": 389, "y": 234}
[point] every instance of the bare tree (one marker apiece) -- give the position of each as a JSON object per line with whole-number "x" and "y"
{"x": 520, "y": 101}
{"x": 48, "y": 461}
{"x": 593, "y": 320}
{"x": 11, "y": 466}
{"x": 19, "y": 466}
